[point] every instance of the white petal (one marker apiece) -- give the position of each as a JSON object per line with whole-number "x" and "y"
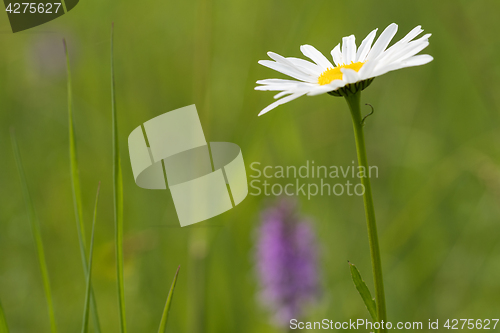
{"x": 405, "y": 51}
{"x": 282, "y": 101}
{"x": 275, "y": 56}
{"x": 414, "y": 49}
{"x": 334, "y": 85}
{"x": 276, "y": 81}
{"x": 412, "y": 34}
{"x": 308, "y": 66}
{"x": 365, "y": 46}
{"x": 382, "y": 42}
{"x": 349, "y": 49}
{"x": 385, "y": 69}
{"x": 366, "y": 71}
{"x": 287, "y": 70}
{"x": 287, "y": 62}
{"x": 349, "y": 75}
{"x": 316, "y": 56}
{"x": 282, "y": 85}
{"x": 406, "y": 39}
{"x": 276, "y": 87}
{"x": 337, "y": 56}
{"x": 283, "y": 93}
{"x": 418, "y": 60}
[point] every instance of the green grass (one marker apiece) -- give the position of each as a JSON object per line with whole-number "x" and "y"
{"x": 89, "y": 305}
{"x": 4, "y": 328}
{"x": 89, "y": 275}
{"x": 166, "y": 310}
{"x": 117, "y": 198}
{"x": 35, "y": 228}
{"x": 77, "y": 192}
{"x": 434, "y": 137}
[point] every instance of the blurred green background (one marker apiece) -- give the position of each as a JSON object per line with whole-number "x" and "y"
{"x": 435, "y": 137}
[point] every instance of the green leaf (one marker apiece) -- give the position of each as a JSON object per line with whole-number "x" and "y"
{"x": 35, "y": 227}
{"x": 4, "y": 328}
{"x": 77, "y": 193}
{"x": 85, "y": 326}
{"x": 117, "y": 198}
{"x": 364, "y": 291}
{"x": 164, "y": 317}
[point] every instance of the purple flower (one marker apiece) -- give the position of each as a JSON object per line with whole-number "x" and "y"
{"x": 286, "y": 262}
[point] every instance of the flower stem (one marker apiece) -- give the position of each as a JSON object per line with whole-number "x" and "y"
{"x": 353, "y": 100}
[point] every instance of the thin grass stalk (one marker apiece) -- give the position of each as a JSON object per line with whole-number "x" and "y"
{"x": 166, "y": 310}
{"x": 35, "y": 227}
{"x": 77, "y": 192}
{"x": 198, "y": 251}
{"x": 199, "y": 236}
{"x": 75, "y": 180}
{"x": 117, "y": 198}
{"x": 85, "y": 325}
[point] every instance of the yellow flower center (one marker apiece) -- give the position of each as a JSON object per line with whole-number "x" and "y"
{"x": 332, "y": 74}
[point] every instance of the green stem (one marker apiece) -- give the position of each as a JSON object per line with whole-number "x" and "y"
{"x": 85, "y": 326}
{"x": 117, "y": 196}
{"x": 353, "y": 100}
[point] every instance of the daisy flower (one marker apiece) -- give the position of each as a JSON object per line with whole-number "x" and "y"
{"x": 354, "y": 69}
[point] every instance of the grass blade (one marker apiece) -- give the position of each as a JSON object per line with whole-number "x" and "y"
{"x": 89, "y": 275}
{"x": 364, "y": 291}
{"x": 35, "y": 227}
{"x": 117, "y": 198}
{"x": 4, "y": 328}
{"x": 75, "y": 180}
{"x": 77, "y": 193}
{"x": 164, "y": 317}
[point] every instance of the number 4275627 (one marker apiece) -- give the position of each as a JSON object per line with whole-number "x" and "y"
{"x": 27, "y": 7}
{"x": 457, "y": 324}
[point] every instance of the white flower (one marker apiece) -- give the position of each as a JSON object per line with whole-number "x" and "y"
{"x": 354, "y": 68}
